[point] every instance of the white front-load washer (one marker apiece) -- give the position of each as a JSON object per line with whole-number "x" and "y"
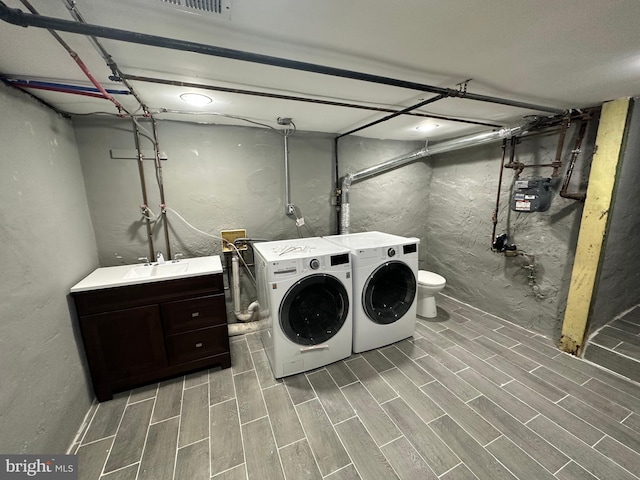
{"x": 304, "y": 292}
{"x": 385, "y": 271}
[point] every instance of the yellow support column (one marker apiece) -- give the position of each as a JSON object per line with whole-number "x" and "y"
{"x": 593, "y": 227}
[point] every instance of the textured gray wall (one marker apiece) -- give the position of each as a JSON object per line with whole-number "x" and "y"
{"x": 223, "y": 177}
{"x": 447, "y": 201}
{"x": 619, "y": 279}
{"x": 216, "y": 178}
{"x": 48, "y": 246}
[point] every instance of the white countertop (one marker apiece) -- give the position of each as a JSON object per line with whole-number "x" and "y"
{"x": 110, "y": 277}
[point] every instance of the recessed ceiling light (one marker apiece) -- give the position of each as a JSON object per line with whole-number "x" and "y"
{"x": 196, "y": 99}
{"x": 427, "y": 127}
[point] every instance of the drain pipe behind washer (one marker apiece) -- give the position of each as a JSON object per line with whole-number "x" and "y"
{"x": 253, "y": 307}
{"x": 442, "y": 147}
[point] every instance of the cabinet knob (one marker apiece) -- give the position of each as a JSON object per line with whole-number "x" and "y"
{"x": 198, "y": 345}
{"x": 195, "y": 314}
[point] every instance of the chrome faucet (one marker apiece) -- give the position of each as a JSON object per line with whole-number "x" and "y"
{"x": 159, "y": 258}
{"x": 145, "y": 260}
{"x": 176, "y": 257}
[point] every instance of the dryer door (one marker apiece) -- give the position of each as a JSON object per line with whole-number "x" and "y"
{"x": 389, "y": 292}
{"x": 314, "y": 309}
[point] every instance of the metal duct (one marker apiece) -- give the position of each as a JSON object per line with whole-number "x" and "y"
{"x": 442, "y": 147}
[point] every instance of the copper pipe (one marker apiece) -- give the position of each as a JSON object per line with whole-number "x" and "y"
{"x": 136, "y": 136}
{"x": 78, "y": 61}
{"x": 160, "y": 179}
{"x": 557, "y": 163}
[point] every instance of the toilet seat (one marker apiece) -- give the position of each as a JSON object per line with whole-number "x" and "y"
{"x": 430, "y": 279}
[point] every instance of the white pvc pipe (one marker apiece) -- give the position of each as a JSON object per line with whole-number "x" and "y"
{"x": 253, "y": 307}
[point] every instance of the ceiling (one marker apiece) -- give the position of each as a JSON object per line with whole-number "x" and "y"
{"x": 559, "y": 54}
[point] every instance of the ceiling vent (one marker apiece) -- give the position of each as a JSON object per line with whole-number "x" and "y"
{"x": 220, "y": 7}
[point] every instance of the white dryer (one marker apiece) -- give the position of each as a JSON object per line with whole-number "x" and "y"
{"x": 304, "y": 291}
{"x": 385, "y": 270}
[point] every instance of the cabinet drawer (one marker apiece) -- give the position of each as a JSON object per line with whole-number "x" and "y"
{"x": 206, "y": 342}
{"x": 186, "y": 315}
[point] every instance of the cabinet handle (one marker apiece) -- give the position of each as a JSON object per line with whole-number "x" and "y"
{"x": 198, "y": 345}
{"x": 195, "y": 314}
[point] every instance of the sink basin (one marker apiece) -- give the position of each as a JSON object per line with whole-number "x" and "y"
{"x": 165, "y": 269}
{"x": 121, "y": 275}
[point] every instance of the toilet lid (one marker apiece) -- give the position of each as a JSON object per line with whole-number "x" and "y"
{"x": 430, "y": 278}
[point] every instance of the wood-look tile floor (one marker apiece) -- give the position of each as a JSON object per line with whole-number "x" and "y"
{"x": 617, "y": 346}
{"x": 469, "y": 396}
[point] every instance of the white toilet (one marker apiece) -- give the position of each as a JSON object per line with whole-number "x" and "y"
{"x": 429, "y": 284}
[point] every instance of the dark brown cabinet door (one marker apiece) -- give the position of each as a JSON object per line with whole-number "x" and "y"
{"x": 126, "y": 342}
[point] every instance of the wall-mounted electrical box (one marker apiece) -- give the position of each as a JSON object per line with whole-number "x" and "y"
{"x": 231, "y": 236}
{"x": 531, "y": 194}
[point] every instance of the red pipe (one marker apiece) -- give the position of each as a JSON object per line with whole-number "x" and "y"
{"x": 80, "y": 63}
{"x": 95, "y": 82}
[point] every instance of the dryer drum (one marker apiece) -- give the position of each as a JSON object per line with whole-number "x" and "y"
{"x": 389, "y": 292}
{"x": 314, "y": 309}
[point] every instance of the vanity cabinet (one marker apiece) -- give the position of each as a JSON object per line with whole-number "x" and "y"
{"x": 139, "y": 334}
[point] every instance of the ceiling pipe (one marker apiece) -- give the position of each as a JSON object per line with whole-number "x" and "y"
{"x": 18, "y": 17}
{"x": 115, "y": 69}
{"x": 56, "y": 89}
{"x": 76, "y": 58}
{"x": 179, "y": 83}
{"x": 63, "y": 87}
{"x": 395, "y": 114}
{"x": 442, "y": 147}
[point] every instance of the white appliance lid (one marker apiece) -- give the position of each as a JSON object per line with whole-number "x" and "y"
{"x": 298, "y": 248}
{"x": 371, "y": 239}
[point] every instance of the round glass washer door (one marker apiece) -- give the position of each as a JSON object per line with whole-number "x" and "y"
{"x": 389, "y": 292}
{"x": 314, "y": 309}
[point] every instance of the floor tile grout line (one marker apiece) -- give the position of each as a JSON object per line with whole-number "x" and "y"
{"x": 273, "y": 433}
{"x": 453, "y": 468}
{"x": 86, "y": 424}
{"x": 612, "y": 400}
{"x": 146, "y": 437}
{"x": 124, "y": 410}
{"x": 163, "y": 420}
{"x": 209, "y": 421}
{"x": 341, "y": 468}
{"x": 244, "y": 450}
{"x": 97, "y": 440}
{"x": 568, "y": 462}
{"x": 191, "y": 444}
{"x": 330, "y": 422}
{"x": 402, "y": 435}
{"x": 524, "y": 424}
{"x": 622, "y": 354}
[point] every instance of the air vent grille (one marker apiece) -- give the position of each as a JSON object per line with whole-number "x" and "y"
{"x": 222, "y": 7}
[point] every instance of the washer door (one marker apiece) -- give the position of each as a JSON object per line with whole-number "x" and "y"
{"x": 314, "y": 309}
{"x": 389, "y": 292}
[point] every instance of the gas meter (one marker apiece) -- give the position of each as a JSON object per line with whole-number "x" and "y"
{"x": 531, "y": 194}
